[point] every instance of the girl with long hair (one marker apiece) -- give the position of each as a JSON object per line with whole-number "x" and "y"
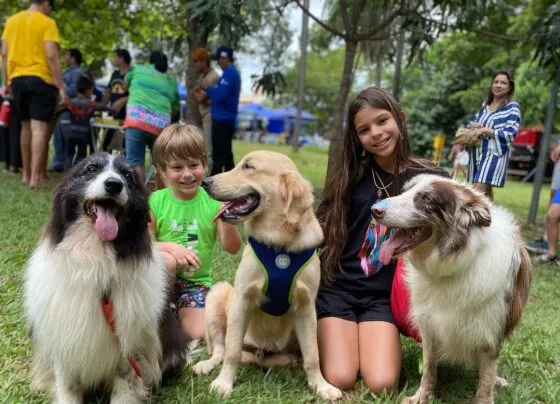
{"x": 356, "y": 330}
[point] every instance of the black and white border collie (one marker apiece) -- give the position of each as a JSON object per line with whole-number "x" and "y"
{"x": 469, "y": 275}
{"x": 97, "y": 248}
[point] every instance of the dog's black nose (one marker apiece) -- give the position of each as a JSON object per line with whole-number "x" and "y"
{"x": 113, "y": 186}
{"x": 206, "y": 182}
{"x": 377, "y": 212}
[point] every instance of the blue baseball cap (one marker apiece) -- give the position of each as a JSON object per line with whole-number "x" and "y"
{"x": 223, "y": 52}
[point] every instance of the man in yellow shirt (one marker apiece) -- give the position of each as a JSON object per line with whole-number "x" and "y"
{"x": 31, "y": 69}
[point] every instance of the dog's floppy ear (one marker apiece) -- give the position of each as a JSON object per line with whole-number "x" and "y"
{"x": 475, "y": 208}
{"x": 297, "y": 194}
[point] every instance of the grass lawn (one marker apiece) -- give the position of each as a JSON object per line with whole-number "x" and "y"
{"x": 530, "y": 359}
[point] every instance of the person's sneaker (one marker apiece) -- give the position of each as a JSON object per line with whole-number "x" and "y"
{"x": 538, "y": 246}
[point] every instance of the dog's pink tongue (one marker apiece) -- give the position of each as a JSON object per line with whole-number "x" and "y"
{"x": 225, "y": 206}
{"x": 106, "y": 224}
{"x": 387, "y": 249}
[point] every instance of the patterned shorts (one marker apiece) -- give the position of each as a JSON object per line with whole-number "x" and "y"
{"x": 190, "y": 295}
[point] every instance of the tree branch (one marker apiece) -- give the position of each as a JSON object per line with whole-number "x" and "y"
{"x": 476, "y": 31}
{"x": 279, "y": 8}
{"x": 382, "y": 25}
{"x": 356, "y": 11}
{"x": 332, "y": 30}
{"x": 348, "y": 27}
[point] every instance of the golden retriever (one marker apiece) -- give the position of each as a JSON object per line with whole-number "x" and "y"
{"x": 268, "y": 194}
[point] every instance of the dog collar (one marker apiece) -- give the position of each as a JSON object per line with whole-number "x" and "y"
{"x": 281, "y": 269}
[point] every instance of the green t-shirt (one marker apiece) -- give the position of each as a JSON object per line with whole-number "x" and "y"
{"x": 152, "y": 98}
{"x": 190, "y": 224}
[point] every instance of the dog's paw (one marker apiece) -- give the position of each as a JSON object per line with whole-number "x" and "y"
{"x": 222, "y": 387}
{"x": 420, "y": 397}
{"x": 501, "y": 382}
{"x": 203, "y": 367}
{"x": 328, "y": 392}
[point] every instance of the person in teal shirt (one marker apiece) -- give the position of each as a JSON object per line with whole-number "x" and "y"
{"x": 152, "y": 100}
{"x": 182, "y": 221}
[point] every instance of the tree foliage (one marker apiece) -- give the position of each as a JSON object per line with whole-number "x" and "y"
{"x": 446, "y": 87}
{"x": 324, "y": 70}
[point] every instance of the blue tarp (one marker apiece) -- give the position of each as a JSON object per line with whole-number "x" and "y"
{"x": 291, "y": 113}
{"x": 277, "y": 118}
{"x": 260, "y": 111}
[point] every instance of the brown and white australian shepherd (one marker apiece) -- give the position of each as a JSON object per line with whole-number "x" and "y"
{"x": 468, "y": 272}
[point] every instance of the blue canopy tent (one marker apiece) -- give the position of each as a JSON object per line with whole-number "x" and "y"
{"x": 254, "y": 112}
{"x": 277, "y": 118}
{"x": 291, "y": 113}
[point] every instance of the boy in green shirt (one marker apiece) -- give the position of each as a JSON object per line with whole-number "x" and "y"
{"x": 182, "y": 221}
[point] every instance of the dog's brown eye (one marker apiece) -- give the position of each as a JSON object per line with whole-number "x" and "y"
{"x": 90, "y": 170}
{"x": 247, "y": 166}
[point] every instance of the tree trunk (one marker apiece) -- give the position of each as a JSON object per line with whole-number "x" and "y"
{"x": 378, "y": 69}
{"x": 398, "y": 65}
{"x": 301, "y": 81}
{"x": 543, "y": 151}
{"x": 336, "y": 131}
{"x": 195, "y": 40}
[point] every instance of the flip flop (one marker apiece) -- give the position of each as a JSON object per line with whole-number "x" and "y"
{"x": 547, "y": 258}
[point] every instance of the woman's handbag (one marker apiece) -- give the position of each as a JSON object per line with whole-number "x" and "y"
{"x": 467, "y": 137}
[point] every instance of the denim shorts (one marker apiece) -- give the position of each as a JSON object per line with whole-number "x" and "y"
{"x": 136, "y": 141}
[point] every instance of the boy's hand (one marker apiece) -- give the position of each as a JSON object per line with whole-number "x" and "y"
{"x": 185, "y": 258}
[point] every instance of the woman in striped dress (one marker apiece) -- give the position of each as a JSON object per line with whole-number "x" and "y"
{"x": 498, "y": 122}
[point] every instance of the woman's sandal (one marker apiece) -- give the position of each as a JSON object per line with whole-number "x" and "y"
{"x": 547, "y": 258}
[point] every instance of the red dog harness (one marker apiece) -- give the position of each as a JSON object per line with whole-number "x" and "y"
{"x": 107, "y": 307}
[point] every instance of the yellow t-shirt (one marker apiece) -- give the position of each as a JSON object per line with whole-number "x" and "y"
{"x": 26, "y": 33}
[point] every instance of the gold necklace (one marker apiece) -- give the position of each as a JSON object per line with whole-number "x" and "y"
{"x": 383, "y": 188}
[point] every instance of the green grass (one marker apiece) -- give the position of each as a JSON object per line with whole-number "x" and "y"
{"x": 530, "y": 359}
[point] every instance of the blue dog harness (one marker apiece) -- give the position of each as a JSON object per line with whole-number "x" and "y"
{"x": 281, "y": 269}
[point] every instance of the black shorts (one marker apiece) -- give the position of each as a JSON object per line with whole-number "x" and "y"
{"x": 33, "y": 98}
{"x": 334, "y": 302}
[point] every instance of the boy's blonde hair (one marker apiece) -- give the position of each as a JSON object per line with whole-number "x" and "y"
{"x": 179, "y": 141}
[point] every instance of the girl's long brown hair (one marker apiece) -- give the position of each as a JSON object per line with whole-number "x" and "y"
{"x": 348, "y": 168}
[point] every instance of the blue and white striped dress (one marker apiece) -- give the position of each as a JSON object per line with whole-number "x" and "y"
{"x": 489, "y": 161}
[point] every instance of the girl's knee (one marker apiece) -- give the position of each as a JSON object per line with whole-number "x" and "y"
{"x": 344, "y": 379}
{"x": 382, "y": 383}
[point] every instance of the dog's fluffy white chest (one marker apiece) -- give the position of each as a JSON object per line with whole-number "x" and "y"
{"x": 63, "y": 292}
{"x": 463, "y": 302}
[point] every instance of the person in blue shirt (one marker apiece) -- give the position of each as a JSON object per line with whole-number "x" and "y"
{"x": 71, "y": 75}
{"x": 224, "y": 101}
